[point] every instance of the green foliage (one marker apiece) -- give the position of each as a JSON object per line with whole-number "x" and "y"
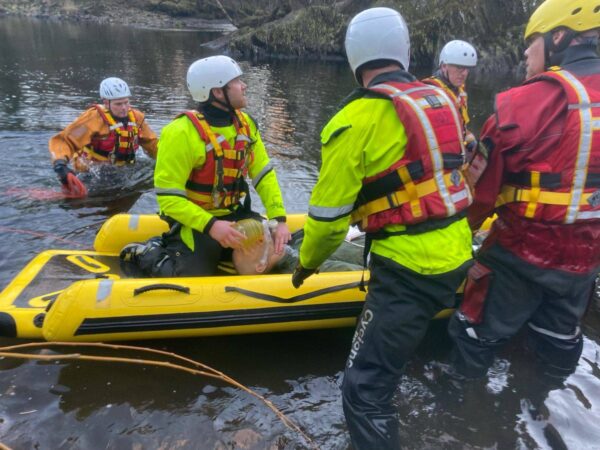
{"x": 494, "y": 27}
{"x": 316, "y": 31}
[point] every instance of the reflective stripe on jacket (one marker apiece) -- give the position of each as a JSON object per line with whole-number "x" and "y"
{"x": 121, "y": 142}
{"x": 182, "y": 150}
{"x": 426, "y": 183}
{"x": 536, "y": 128}
{"x": 218, "y": 183}
{"x": 69, "y": 143}
{"x": 460, "y": 98}
{"x": 562, "y": 184}
{"x": 362, "y": 140}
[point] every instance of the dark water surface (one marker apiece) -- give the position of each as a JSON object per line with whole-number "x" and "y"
{"x": 49, "y": 72}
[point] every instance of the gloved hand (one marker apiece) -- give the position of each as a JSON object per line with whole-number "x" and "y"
{"x": 300, "y": 274}
{"x": 470, "y": 146}
{"x": 62, "y": 169}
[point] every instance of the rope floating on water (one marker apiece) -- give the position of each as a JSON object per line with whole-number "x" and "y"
{"x": 40, "y": 234}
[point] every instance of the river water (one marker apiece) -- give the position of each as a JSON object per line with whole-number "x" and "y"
{"x": 49, "y": 72}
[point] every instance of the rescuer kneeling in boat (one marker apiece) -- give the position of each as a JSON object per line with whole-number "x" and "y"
{"x": 200, "y": 178}
{"x": 537, "y": 167}
{"x": 456, "y": 59}
{"x": 391, "y": 160}
{"x": 110, "y": 132}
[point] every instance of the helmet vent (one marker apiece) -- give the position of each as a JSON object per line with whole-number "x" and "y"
{"x": 576, "y": 11}
{"x": 597, "y": 9}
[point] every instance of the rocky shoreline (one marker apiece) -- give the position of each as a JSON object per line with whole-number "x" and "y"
{"x": 309, "y": 29}
{"x": 135, "y": 17}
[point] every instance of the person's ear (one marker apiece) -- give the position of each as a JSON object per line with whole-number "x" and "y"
{"x": 218, "y": 94}
{"x": 557, "y": 36}
{"x": 260, "y": 267}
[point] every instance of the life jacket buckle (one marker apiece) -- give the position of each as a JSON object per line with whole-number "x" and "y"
{"x": 594, "y": 199}
{"x": 216, "y": 198}
{"x": 219, "y": 196}
{"x": 455, "y": 178}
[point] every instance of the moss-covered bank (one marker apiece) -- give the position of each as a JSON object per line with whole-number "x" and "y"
{"x": 495, "y": 27}
{"x": 313, "y": 28}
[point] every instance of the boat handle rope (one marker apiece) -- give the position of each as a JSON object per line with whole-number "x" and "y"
{"x": 295, "y": 298}
{"x": 161, "y": 286}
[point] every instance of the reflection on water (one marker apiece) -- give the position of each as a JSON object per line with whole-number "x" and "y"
{"x": 49, "y": 73}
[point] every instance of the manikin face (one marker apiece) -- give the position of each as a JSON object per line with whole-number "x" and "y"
{"x": 118, "y": 107}
{"x": 236, "y": 92}
{"x": 535, "y": 56}
{"x": 456, "y": 75}
{"x": 257, "y": 259}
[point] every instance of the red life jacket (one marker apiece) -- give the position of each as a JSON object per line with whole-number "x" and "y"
{"x": 121, "y": 143}
{"x": 560, "y": 184}
{"x": 426, "y": 184}
{"x": 219, "y": 182}
{"x": 460, "y": 100}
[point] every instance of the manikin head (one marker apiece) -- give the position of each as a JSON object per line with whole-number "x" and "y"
{"x": 257, "y": 255}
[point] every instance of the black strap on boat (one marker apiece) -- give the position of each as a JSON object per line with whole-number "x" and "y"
{"x": 295, "y": 298}
{"x": 161, "y": 286}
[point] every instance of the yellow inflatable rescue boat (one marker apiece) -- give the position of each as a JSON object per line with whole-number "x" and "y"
{"x": 64, "y": 295}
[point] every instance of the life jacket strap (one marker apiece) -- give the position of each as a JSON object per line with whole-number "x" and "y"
{"x": 420, "y": 228}
{"x": 402, "y": 196}
{"x": 510, "y": 194}
{"x": 393, "y": 181}
{"x": 411, "y": 191}
{"x": 535, "y": 194}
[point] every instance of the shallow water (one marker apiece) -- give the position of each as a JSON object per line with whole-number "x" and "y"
{"x": 49, "y": 72}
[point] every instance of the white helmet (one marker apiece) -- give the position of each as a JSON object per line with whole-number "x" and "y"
{"x": 113, "y": 88}
{"x": 211, "y": 72}
{"x": 459, "y": 53}
{"x": 377, "y": 33}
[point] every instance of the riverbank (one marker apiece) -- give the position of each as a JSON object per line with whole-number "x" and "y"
{"x": 131, "y": 13}
{"x": 311, "y": 29}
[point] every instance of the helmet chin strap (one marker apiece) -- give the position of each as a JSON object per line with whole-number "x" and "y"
{"x": 227, "y": 103}
{"x": 555, "y": 53}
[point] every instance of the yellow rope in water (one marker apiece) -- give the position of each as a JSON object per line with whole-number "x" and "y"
{"x": 8, "y": 352}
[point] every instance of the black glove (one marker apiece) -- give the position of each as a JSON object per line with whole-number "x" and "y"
{"x": 300, "y": 274}
{"x": 62, "y": 170}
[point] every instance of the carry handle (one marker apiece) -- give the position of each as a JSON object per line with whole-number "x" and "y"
{"x": 161, "y": 286}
